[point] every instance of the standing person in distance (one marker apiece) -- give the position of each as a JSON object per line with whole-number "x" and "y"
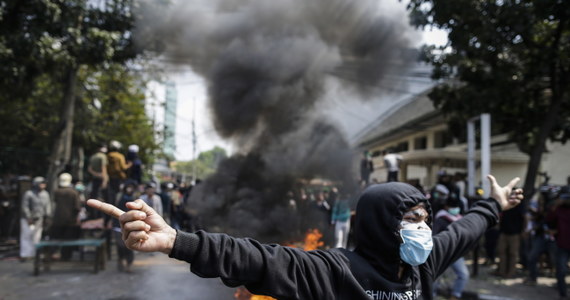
{"x": 126, "y": 255}
{"x": 135, "y": 171}
{"x": 366, "y": 168}
{"x": 559, "y": 220}
{"x": 341, "y": 220}
{"x": 116, "y": 169}
{"x": 450, "y": 213}
{"x": 65, "y": 220}
{"x": 392, "y": 162}
{"x": 36, "y": 208}
{"x": 152, "y": 199}
{"x": 99, "y": 178}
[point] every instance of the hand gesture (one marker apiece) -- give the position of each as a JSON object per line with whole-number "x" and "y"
{"x": 142, "y": 228}
{"x": 507, "y": 196}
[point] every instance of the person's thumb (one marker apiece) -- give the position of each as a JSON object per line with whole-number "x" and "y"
{"x": 492, "y": 180}
{"x": 142, "y": 206}
{"x": 513, "y": 183}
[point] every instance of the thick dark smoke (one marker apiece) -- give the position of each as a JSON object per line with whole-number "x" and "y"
{"x": 267, "y": 64}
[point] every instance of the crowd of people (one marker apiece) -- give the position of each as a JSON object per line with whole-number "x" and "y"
{"x": 114, "y": 178}
{"x": 535, "y": 236}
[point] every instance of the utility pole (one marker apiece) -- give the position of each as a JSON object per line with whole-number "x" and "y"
{"x": 485, "y": 120}
{"x": 194, "y": 140}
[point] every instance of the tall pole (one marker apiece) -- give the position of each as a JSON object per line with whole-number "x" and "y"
{"x": 471, "y": 157}
{"x": 486, "y": 152}
{"x": 485, "y": 120}
{"x": 194, "y": 140}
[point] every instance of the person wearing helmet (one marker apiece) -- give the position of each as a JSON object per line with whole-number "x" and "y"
{"x": 116, "y": 169}
{"x": 36, "y": 207}
{"x": 396, "y": 256}
{"x": 135, "y": 171}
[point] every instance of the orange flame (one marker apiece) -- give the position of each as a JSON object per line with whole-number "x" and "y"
{"x": 243, "y": 294}
{"x": 312, "y": 242}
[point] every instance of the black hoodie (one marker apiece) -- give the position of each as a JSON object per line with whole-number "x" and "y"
{"x": 368, "y": 272}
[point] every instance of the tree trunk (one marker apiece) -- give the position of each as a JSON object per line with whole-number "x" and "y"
{"x": 77, "y": 162}
{"x": 61, "y": 150}
{"x": 538, "y": 149}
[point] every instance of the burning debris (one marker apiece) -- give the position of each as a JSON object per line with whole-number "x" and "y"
{"x": 267, "y": 65}
{"x": 243, "y": 294}
{"x": 312, "y": 241}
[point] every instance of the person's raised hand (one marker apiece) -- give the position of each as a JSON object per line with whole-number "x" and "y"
{"x": 507, "y": 196}
{"x": 142, "y": 228}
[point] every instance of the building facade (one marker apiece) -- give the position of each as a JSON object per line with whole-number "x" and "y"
{"x": 419, "y": 133}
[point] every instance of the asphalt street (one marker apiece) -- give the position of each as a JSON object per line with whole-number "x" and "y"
{"x": 155, "y": 276}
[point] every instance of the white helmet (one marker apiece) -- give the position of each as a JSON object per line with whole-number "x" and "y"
{"x": 38, "y": 180}
{"x": 134, "y": 148}
{"x": 65, "y": 180}
{"x": 115, "y": 145}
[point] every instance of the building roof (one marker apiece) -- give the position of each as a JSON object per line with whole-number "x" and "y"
{"x": 415, "y": 114}
{"x": 411, "y": 114}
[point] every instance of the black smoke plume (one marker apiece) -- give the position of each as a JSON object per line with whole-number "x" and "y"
{"x": 267, "y": 65}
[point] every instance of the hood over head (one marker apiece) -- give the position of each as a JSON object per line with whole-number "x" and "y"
{"x": 378, "y": 215}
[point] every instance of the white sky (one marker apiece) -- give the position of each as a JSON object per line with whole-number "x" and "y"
{"x": 192, "y": 103}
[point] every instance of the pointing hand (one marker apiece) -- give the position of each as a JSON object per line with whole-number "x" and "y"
{"x": 142, "y": 228}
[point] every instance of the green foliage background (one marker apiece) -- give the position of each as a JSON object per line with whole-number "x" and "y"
{"x": 510, "y": 58}
{"x": 205, "y": 165}
{"x": 42, "y": 44}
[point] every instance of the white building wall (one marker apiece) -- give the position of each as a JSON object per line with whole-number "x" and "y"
{"x": 504, "y": 172}
{"x": 557, "y": 162}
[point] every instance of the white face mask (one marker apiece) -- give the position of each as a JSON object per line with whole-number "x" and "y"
{"x": 416, "y": 242}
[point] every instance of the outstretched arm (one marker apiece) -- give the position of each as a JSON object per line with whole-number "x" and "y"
{"x": 143, "y": 229}
{"x": 277, "y": 271}
{"x": 460, "y": 236}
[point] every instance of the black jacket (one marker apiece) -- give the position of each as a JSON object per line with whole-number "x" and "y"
{"x": 368, "y": 272}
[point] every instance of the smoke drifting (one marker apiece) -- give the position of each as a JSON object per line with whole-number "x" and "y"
{"x": 267, "y": 64}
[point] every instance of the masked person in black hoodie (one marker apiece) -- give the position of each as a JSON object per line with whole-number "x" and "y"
{"x": 395, "y": 258}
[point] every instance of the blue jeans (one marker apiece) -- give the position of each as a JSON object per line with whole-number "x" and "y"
{"x": 462, "y": 274}
{"x": 539, "y": 244}
{"x": 461, "y": 278}
{"x": 562, "y": 256}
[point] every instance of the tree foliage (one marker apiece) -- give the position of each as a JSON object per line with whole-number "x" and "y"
{"x": 60, "y": 54}
{"x": 510, "y": 58}
{"x": 45, "y": 37}
{"x": 110, "y": 107}
{"x": 205, "y": 165}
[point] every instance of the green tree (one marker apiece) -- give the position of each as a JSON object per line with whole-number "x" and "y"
{"x": 510, "y": 58}
{"x": 205, "y": 165}
{"x": 57, "y": 38}
{"x": 110, "y": 106}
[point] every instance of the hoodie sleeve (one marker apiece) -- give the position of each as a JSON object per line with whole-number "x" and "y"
{"x": 273, "y": 270}
{"x": 460, "y": 236}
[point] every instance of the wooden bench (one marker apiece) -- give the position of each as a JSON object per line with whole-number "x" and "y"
{"x": 46, "y": 247}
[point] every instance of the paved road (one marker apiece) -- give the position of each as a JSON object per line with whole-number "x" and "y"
{"x": 156, "y": 276}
